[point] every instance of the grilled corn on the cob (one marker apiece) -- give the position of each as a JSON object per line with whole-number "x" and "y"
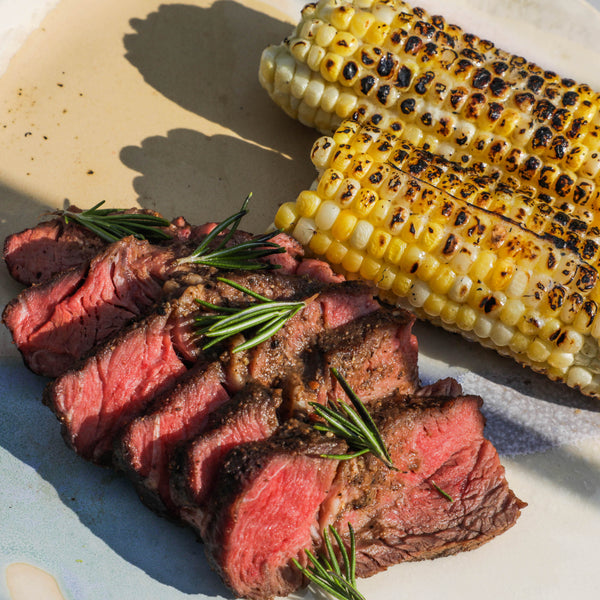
{"x": 424, "y": 231}
{"x": 445, "y": 91}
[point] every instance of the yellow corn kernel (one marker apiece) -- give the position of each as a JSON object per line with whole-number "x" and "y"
{"x": 378, "y": 243}
{"x": 434, "y": 305}
{"x": 402, "y": 284}
{"x": 538, "y": 351}
{"x": 443, "y": 280}
{"x": 307, "y": 203}
{"x": 482, "y": 265}
{"x": 449, "y": 312}
{"x": 560, "y": 360}
{"x": 465, "y": 318}
{"x": 395, "y": 250}
{"x": 385, "y": 279}
{"x": 428, "y": 266}
{"x": 377, "y": 33}
{"x": 501, "y": 274}
{"x": 512, "y": 312}
{"x": 286, "y": 216}
{"x": 431, "y": 236}
{"x": 331, "y": 66}
{"x": 330, "y": 183}
{"x": 412, "y": 228}
{"x": 344, "y": 225}
{"x": 364, "y": 202}
{"x": 369, "y": 268}
{"x": 344, "y": 44}
{"x": 380, "y": 211}
{"x": 360, "y": 166}
{"x": 411, "y": 258}
{"x": 341, "y": 16}
{"x": 501, "y": 334}
{"x": 345, "y": 105}
{"x": 352, "y": 261}
{"x": 360, "y": 23}
{"x": 336, "y": 252}
{"x": 319, "y": 243}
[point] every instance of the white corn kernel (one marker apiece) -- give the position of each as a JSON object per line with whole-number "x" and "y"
{"x": 304, "y": 230}
{"x": 361, "y": 235}
{"x": 326, "y": 215}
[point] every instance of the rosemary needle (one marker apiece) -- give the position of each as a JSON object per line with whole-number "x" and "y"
{"x": 353, "y": 424}
{"x": 242, "y": 256}
{"x": 223, "y": 322}
{"x": 112, "y": 224}
{"x": 326, "y": 571}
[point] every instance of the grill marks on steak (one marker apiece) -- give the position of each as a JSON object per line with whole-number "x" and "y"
{"x": 264, "y": 510}
{"x": 56, "y": 323}
{"x": 402, "y": 516}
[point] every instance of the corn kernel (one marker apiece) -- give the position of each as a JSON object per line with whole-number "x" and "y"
{"x": 512, "y": 312}
{"x": 501, "y": 274}
{"x": 313, "y": 93}
{"x": 364, "y": 202}
{"x": 325, "y": 34}
{"x": 482, "y": 265}
{"x": 538, "y": 351}
{"x": 307, "y": 203}
{"x": 501, "y": 334}
{"x": 326, "y": 215}
{"x": 412, "y": 228}
{"x": 361, "y": 235}
{"x": 319, "y": 243}
{"x": 331, "y": 66}
{"x": 360, "y": 165}
{"x": 329, "y": 100}
{"x": 341, "y": 17}
{"x": 483, "y": 327}
{"x": 342, "y": 157}
{"x": 411, "y": 258}
{"x": 378, "y": 243}
{"x": 431, "y": 236}
{"x": 428, "y": 266}
{"x": 380, "y": 211}
{"x": 443, "y": 280}
{"x": 386, "y": 278}
{"x": 304, "y": 230}
{"x": 352, "y": 261}
{"x": 518, "y": 283}
{"x": 560, "y": 360}
{"x": 402, "y": 284}
{"x": 395, "y": 250}
{"x": 344, "y": 225}
{"x": 360, "y": 23}
{"x": 344, "y": 44}
{"x": 519, "y": 343}
{"x": 466, "y": 318}
{"x": 369, "y": 268}
{"x": 377, "y": 33}
{"x": 419, "y": 292}
{"x": 346, "y": 105}
{"x": 449, "y": 313}
{"x": 434, "y": 305}
{"x": 579, "y": 377}
{"x": 330, "y": 183}
{"x": 571, "y": 341}
{"x": 336, "y": 252}
{"x": 314, "y": 58}
{"x": 286, "y": 216}
{"x": 531, "y": 323}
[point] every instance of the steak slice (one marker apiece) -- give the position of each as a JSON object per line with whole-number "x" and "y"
{"x": 117, "y": 383}
{"x": 438, "y": 447}
{"x": 39, "y": 253}
{"x": 251, "y": 415}
{"x": 54, "y": 324}
{"x": 265, "y": 507}
{"x": 376, "y": 353}
{"x": 144, "y": 448}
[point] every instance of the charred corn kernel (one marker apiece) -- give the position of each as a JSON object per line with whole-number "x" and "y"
{"x": 331, "y": 67}
{"x": 454, "y": 257}
{"x": 378, "y": 243}
{"x": 319, "y": 243}
{"x": 364, "y": 202}
{"x": 308, "y": 203}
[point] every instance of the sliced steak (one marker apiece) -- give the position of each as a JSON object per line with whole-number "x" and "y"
{"x": 54, "y": 324}
{"x": 38, "y": 254}
{"x": 265, "y": 510}
{"x": 117, "y": 383}
{"x": 144, "y": 448}
{"x": 376, "y": 353}
{"x": 438, "y": 447}
{"x": 251, "y": 415}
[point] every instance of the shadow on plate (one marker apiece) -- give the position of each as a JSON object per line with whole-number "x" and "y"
{"x": 104, "y": 501}
{"x": 206, "y": 178}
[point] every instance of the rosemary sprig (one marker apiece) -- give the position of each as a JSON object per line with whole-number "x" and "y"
{"x": 225, "y": 322}
{"x": 112, "y": 224}
{"x": 440, "y": 491}
{"x": 354, "y": 425}
{"x": 242, "y": 256}
{"x": 326, "y": 571}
